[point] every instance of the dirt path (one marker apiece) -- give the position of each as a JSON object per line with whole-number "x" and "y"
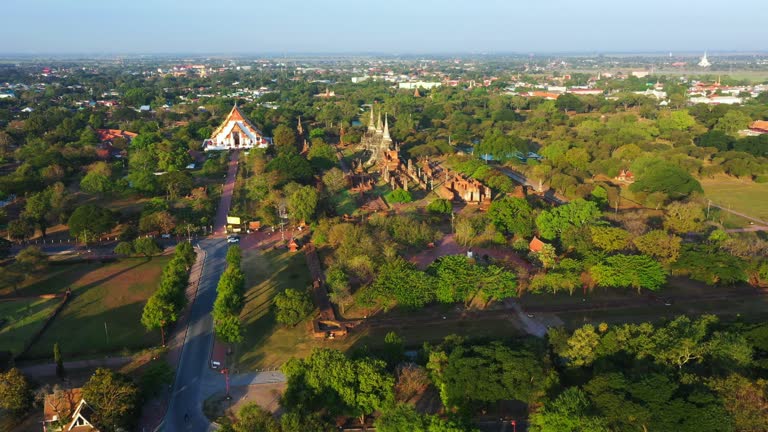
{"x": 448, "y": 246}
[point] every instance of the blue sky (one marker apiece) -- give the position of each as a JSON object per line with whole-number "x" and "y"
{"x": 390, "y": 26}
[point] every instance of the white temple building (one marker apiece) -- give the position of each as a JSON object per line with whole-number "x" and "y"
{"x": 236, "y": 132}
{"x": 704, "y": 62}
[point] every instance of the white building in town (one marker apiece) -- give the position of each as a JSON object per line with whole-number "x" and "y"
{"x": 236, "y": 132}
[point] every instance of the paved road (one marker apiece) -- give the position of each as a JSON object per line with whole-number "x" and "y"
{"x": 185, "y": 409}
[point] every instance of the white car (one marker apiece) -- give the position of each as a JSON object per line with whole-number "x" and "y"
{"x": 233, "y": 239}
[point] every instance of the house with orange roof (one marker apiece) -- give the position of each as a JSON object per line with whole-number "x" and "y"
{"x": 536, "y": 245}
{"x": 67, "y": 411}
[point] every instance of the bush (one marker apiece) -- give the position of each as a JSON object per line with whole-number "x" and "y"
{"x": 399, "y": 196}
{"x": 124, "y": 248}
{"x": 440, "y": 206}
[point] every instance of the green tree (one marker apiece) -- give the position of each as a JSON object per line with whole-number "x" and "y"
{"x": 124, "y": 248}
{"x": 15, "y": 392}
{"x": 284, "y": 139}
{"x": 636, "y": 271}
{"x": 582, "y": 347}
{"x": 399, "y": 280}
{"x": 732, "y": 122}
{"x": 114, "y": 399}
{"x": 682, "y": 340}
{"x": 58, "y": 360}
{"x": 302, "y": 203}
{"x": 146, "y": 246}
{"x": 253, "y": 418}
{"x": 158, "y": 313}
{"x": 570, "y": 412}
{"x": 96, "y": 183}
{"x": 38, "y": 209}
{"x": 512, "y": 216}
{"x": 229, "y": 328}
{"x": 660, "y": 245}
{"x": 609, "y": 239}
{"x": 551, "y": 223}
{"x": 89, "y": 221}
{"x": 684, "y": 217}
{"x": 292, "y": 306}
{"x": 662, "y": 176}
{"x": 334, "y": 180}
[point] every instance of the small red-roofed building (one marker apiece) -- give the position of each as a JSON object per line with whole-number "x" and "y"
{"x": 536, "y": 245}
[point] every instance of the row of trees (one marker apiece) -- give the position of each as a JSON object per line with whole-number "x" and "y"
{"x": 450, "y": 279}
{"x": 230, "y": 299}
{"x": 165, "y": 304}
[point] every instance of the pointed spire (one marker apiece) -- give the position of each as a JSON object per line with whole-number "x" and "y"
{"x": 299, "y": 128}
{"x": 386, "y": 129}
{"x": 372, "y": 123}
{"x": 378, "y": 125}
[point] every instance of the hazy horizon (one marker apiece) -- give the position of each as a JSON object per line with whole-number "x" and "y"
{"x": 397, "y": 27}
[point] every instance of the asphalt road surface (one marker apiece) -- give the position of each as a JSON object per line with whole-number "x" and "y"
{"x": 185, "y": 408}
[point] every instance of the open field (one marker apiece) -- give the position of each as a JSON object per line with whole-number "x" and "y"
{"x": 743, "y": 196}
{"x": 20, "y": 319}
{"x": 104, "y": 312}
{"x": 267, "y": 274}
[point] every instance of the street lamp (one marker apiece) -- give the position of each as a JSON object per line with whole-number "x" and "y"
{"x": 225, "y": 371}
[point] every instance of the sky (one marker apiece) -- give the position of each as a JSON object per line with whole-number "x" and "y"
{"x": 385, "y": 27}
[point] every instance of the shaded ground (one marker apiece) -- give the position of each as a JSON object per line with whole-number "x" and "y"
{"x": 105, "y": 309}
{"x": 267, "y": 274}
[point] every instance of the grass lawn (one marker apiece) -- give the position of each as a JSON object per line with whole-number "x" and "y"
{"x": 345, "y": 203}
{"x": 268, "y": 273}
{"x": 744, "y": 196}
{"x": 20, "y": 319}
{"x": 104, "y": 295}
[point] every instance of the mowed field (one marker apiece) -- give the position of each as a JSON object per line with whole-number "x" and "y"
{"x": 103, "y": 316}
{"x": 268, "y": 273}
{"x": 744, "y": 196}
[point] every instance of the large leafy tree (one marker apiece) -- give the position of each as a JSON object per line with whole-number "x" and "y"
{"x": 15, "y": 391}
{"x": 660, "y": 245}
{"x": 329, "y": 379}
{"x": 512, "y": 216}
{"x": 89, "y": 221}
{"x": 662, "y": 176}
{"x": 114, "y": 399}
{"x": 684, "y": 217}
{"x": 487, "y": 374}
{"x": 292, "y": 306}
{"x": 302, "y": 203}
{"x": 710, "y": 265}
{"x": 623, "y": 271}
{"x": 551, "y": 223}
{"x": 571, "y": 411}
{"x": 399, "y": 280}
